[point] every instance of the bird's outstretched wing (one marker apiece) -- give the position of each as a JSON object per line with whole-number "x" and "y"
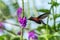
{"x": 43, "y": 16}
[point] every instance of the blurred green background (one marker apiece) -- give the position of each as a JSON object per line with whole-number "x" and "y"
{"x": 32, "y": 8}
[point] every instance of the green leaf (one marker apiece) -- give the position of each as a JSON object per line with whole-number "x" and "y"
{"x": 4, "y": 11}
{"x": 43, "y": 10}
{"x": 39, "y": 28}
{"x": 8, "y": 37}
{"x": 2, "y": 5}
{"x": 53, "y": 3}
{"x": 58, "y": 37}
{"x": 58, "y": 26}
{"x": 56, "y": 16}
{"x": 2, "y": 37}
{"x": 41, "y": 38}
{"x": 16, "y": 5}
{"x": 16, "y": 38}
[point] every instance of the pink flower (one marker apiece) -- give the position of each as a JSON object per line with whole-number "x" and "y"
{"x": 32, "y": 35}
{"x": 22, "y": 21}
{"x": 19, "y": 11}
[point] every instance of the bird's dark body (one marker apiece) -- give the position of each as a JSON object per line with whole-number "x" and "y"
{"x": 39, "y": 18}
{"x": 36, "y": 20}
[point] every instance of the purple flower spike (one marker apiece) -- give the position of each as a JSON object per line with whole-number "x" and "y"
{"x": 19, "y": 11}
{"x": 22, "y": 21}
{"x": 32, "y": 35}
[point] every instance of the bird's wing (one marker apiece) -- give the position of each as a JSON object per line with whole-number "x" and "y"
{"x": 42, "y": 22}
{"x": 43, "y": 16}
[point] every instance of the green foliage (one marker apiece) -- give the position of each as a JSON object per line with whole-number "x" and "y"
{"x": 4, "y": 11}
{"x": 41, "y": 38}
{"x": 2, "y": 37}
{"x": 44, "y": 27}
{"x": 56, "y": 16}
{"x": 43, "y": 10}
{"x": 58, "y": 37}
{"x": 49, "y": 31}
{"x": 55, "y": 38}
{"x": 39, "y": 28}
{"x": 58, "y": 26}
{"x": 16, "y": 38}
{"x": 15, "y": 5}
{"x": 2, "y": 4}
{"x": 54, "y": 4}
{"x": 8, "y": 37}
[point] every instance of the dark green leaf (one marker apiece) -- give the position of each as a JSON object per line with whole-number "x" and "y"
{"x": 56, "y": 16}
{"x": 43, "y": 10}
{"x": 53, "y": 3}
{"x": 16, "y": 38}
{"x": 16, "y": 5}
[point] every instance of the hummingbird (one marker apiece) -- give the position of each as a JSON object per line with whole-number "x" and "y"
{"x": 38, "y": 19}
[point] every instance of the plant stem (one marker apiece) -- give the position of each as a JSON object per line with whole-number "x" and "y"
{"x": 10, "y": 32}
{"x": 34, "y": 9}
{"x": 47, "y": 28}
{"x": 28, "y": 6}
{"x": 23, "y": 16}
{"x": 21, "y": 34}
{"x": 53, "y": 17}
{"x": 47, "y": 24}
{"x": 28, "y": 12}
{"x": 23, "y": 7}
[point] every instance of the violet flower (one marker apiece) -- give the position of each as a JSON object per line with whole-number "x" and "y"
{"x": 19, "y": 11}
{"x": 22, "y": 20}
{"x": 32, "y": 36}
